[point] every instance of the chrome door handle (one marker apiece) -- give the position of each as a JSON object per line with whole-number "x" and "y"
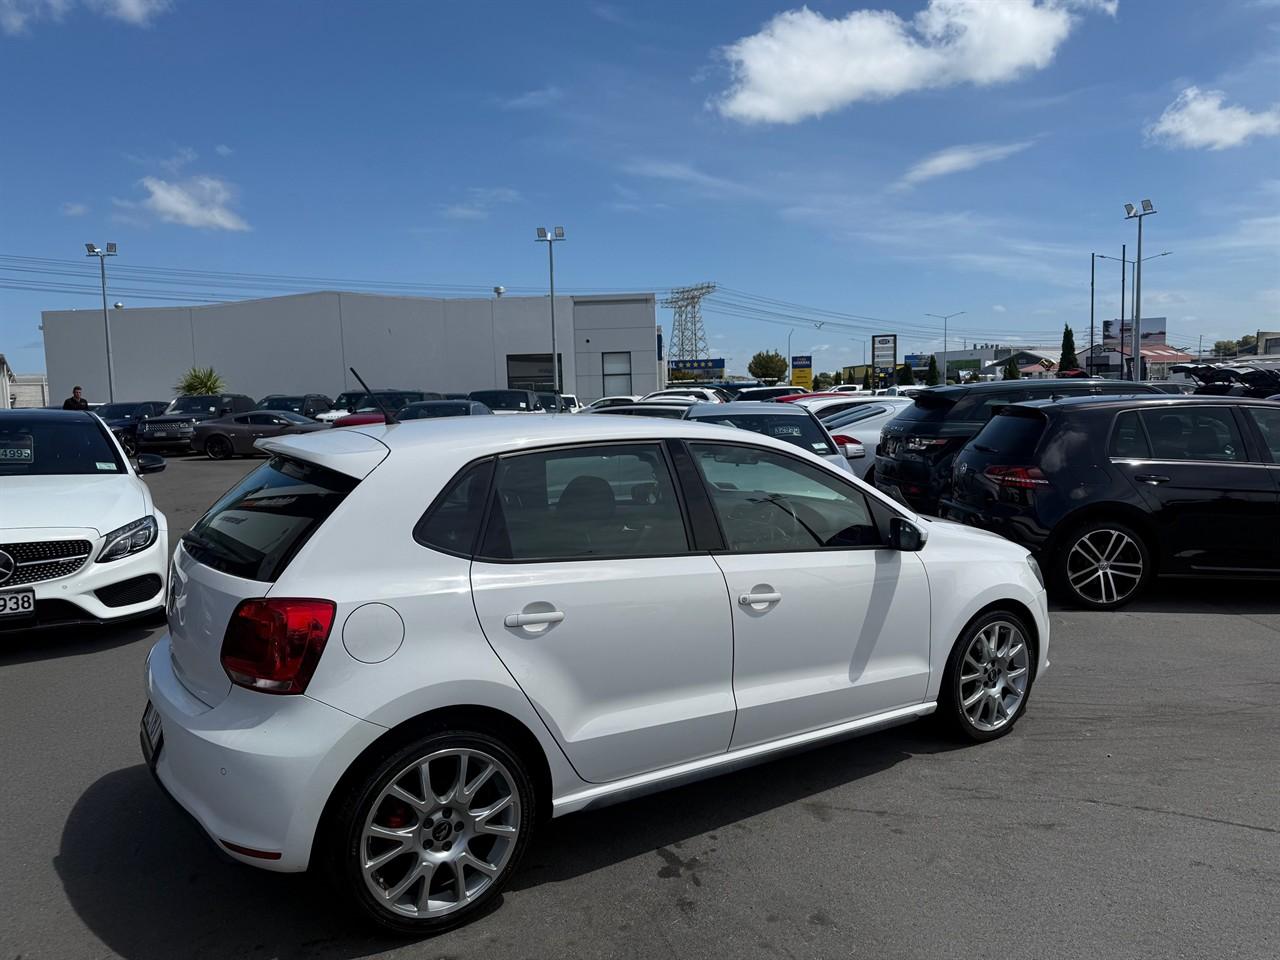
{"x": 531, "y": 619}
{"x": 750, "y": 599}
{"x": 1151, "y": 478}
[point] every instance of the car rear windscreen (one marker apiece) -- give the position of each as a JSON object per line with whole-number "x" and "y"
{"x": 257, "y": 527}
{"x": 798, "y": 430}
{"x": 930, "y": 407}
{"x": 1011, "y": 434}
{"x": 37, "y": 447}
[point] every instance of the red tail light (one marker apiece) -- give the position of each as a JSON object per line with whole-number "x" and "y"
{"x": 845, "y": 440}
{"x": 1020, "y": 478}
{"x": 274, "y": 645}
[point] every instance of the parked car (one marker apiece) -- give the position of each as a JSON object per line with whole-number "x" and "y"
{"x": 174, "y": 428}
{"x": 235, "y": 436}
{"x": 700, "y": 394}
{"x": 782, "y": 421}
{"x": 863, "y": 423}
{"x": 408, "y": 647}
{"x": 769, "y": 393}
{"x": 308, "y": 404}
{"x": 554, "y": 403}
{"x": 508, "y": 401}
{"x": 674, "y": 400}
{"x": 650, "y": 408}
{"x": 361, "y": 401}
{"x": 80, "y": 538}
{"x": 1172, "y": 386}
{"x": 848, "y": 388}
{"x": 433, "y": 409}
{"x": 826, "y": 407}
{"x": 123, "y": 419}
{"x": 616, "y": 401}
{"x": 1238, "y": 379}
{"x": 1110, "y": 492}
{"x": 571, "y": 402}
{"x": 918, "y": 446}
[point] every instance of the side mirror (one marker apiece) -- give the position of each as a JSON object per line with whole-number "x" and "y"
{"x": 906, "y": 536}
{"x": 149, "y": 463}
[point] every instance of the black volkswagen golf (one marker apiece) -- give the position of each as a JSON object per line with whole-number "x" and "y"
{"x": 1109, "y": 492}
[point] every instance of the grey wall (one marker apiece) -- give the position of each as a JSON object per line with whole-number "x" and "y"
{"x": 305, "y": 343}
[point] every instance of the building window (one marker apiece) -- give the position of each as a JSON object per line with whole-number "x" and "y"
{"x": 532, "y": 371}
{"x": 617, "y": 374}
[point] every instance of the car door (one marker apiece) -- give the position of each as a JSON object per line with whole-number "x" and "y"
{"x": 1209, "y": 491}
{"x": 588, "y": 589}
{"x": 829, "y": 624}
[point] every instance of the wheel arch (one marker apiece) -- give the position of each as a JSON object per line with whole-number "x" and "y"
{"x": 1116, "y": 511}
{"x": 1023, "y": 613}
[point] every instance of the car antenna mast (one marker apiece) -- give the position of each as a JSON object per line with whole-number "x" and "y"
{"x": 391, "y": 417}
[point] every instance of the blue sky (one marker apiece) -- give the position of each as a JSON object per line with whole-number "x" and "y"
{"x": 881, "y": 161}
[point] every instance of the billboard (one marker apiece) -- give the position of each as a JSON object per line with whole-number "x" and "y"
{"x": 916, "y": 360}
{"x": 1153, "y": 332}
{"x": 712, "y": 369}
{"x": 884, "y": 351}
{"x": 802, "y": 372}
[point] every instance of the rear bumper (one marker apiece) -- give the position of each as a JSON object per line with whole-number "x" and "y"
{"x": 911, "y": 483}
{"x": 256, "y": 770}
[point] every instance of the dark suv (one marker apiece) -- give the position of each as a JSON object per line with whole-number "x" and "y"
{"x": 1109, "y": 492}
{"x": 174, "y": 427}
{"x": 917, "y": 447}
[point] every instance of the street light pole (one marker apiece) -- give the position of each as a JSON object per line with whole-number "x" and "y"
{"x": 550, "y": 239}
{"x": 1133, "y": 265}
{"x": 789, "y": 333}
{"x": 110, "y": 251}
{"x": 944, "y": 319}
{"x": 1093, "y": 259}
{"x": 1148, "y": 208}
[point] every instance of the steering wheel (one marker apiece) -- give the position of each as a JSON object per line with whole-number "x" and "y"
{"x": 761, "y": 530}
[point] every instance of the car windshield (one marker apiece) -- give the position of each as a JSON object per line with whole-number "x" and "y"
{"x": 291, "y": 416}
{"x": 292, "y": 404}
{"x": 117, "y": 411}
{"x": 359, "y": 400}
{"x": 429, "y": 411}
{"x": 502, "y": 399}
{"x": 31, "y": 447}
{"x": 795, "y": 429}
{"x": 204, "y": 404}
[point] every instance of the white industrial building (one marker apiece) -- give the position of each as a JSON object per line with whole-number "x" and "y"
{"x": 304, "y": 343}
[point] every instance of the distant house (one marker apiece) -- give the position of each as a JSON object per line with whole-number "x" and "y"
{"x": 1108, "y": 360}
{"x": 1031, "y": 361}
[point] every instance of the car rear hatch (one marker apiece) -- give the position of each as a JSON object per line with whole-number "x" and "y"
{"x": 997, "y": 471}
{"x": 913, "y": 442}
{"x": 239, "y": 548}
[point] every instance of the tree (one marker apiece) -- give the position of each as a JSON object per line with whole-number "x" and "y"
{"x": 866, "y": 378}
{"x": 1224, "y": 348}
{"x": 199, "y": 380}
{"x": 1068, "y": 360}
{"x": 1011, "y": 371}
{"x": 824, "y": 381}
{"x": 933, "y": 378}
{"x": 837, "y": 378}
{"x": 905, "y": 377}
{"x": 768, "y": 365}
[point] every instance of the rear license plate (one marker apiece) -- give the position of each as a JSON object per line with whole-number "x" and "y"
{"x": 151, "y": 733}
{"x": 160, "y": 433}
{"x": 20, "y": 603}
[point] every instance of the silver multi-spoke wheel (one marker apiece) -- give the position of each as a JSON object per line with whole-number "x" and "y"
{"x": 994, "y": 673}
{"x": 440, "y": 833}
{"x": 1104, "y": 566}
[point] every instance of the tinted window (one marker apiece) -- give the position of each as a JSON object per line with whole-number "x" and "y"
{"x": 767, "y": 501}
{"x": 453, "y": 522}
{"x": 245, "y": 419}
{"x": 577, "y": 504}
{"x": 1268, "y": 422}
{"x": 201, "y": 405}
{"x": 982, "y": 405}
{"x": 1013, "y": 434}
{"x": 1196, "y": 433}
{"x": 1128, "y": 439}
{"x": 428, "y": 411}
{"x": 506, "y": 399}
{"x": 801, "y": 431}
{"x": 43, "y": 448}
{"x": 931, "y": 406}
{"x": 835, "y": 409}
{"x": 118, "y": 411}
{"x": 863, "y": 411}
{"x": 295, "y": 404}
{"x": 254, "y": 530}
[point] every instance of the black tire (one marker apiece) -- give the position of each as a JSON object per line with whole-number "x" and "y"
{"x": 343, "y": 843}
{"x": 1105, "y": 589}
{"x": 952, "y": 715}
{"x": 219, "y": 447}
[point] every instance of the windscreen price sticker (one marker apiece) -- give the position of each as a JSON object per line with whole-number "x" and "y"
{"x": 16, "y": 450}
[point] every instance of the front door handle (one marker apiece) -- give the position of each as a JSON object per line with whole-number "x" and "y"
{"x": 1151, "y": 478}
{"x": 750, "y": 599}
{"x": 532, "y": 619}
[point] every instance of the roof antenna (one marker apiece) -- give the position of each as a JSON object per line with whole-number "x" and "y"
{"x": 391, "y": 417}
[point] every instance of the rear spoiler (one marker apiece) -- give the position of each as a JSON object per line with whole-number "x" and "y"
{"x": 349, "y": 452}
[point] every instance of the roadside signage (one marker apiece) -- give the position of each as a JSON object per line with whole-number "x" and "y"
{"x": 884, "y": 351}
{"x": 802, "y": 372}
{"x": 713, "y": 367}
{"x": 914, "y": 360}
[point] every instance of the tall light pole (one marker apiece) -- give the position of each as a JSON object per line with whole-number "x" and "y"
{"x": 1130, "y": 213}
{"x": 944, "y": 319}
{"x": 550, "y": 239}
{"x": 102, "y": 255}
{"x": 1133, "y": 265}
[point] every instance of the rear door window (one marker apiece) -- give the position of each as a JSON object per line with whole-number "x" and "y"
{"x": 1128, "y": 440}
{"x": 257, "y": 527}
{"x": 1194, "y": 433}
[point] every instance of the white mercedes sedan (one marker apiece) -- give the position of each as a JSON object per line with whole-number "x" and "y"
{"x": 393, "y": 651}
{"x": 80, "y": 539}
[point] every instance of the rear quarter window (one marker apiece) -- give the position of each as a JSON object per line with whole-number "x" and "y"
{"x": 1012, "y": 434}
{"x": 1128, "y": 439}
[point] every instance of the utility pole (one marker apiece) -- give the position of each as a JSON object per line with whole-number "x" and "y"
{"x": 944, "y": 319}
{"x": 1122, "y": 310}
{"x": 550, "y": 239}
{"x": 1093, "y": 259}
{"x": 1131, "y": 213}
{"x": 94, "y": 251}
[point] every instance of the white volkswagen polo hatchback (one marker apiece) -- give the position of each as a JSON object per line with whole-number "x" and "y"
{"x": 394, "y": 650}
{"x": 80, "y": 539}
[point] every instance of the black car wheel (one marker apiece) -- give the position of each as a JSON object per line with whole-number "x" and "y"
{"x": 1102, "y": 565}
{"x": 219, "y": 447}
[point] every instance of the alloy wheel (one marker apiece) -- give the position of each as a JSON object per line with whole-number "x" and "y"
{"x": 994, "y": 673}
{"x": 218, "y": 448}
{"x": 1104, "y": 566}
{"x": 440, "y": 833}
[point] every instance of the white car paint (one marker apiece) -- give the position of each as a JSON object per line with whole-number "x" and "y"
{"x": 634, "y": 689}
{"x": 698, "y": 394}
{"x": 613, "y": 401}
{"x": 867, "y": 431}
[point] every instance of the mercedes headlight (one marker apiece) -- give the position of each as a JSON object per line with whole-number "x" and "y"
{"x": 129, "y": 539}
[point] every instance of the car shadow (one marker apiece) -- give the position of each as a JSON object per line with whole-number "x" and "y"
{"x": 150, "y": 885}
{"x": 52, "y": 643}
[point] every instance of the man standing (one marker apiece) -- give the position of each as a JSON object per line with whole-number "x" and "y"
{"x": 75, "y": 401}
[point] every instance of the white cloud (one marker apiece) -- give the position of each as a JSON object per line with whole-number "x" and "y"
{"x": 481, "y": 201}
{"x": 534, "y": 99}
{"x": 223, "y": 150}
{"x": 1198, "y": 119}
{"x": 17, "y": 15}
{"x": 998, "y": 307}
{"x": 181, "y": 157}
{"x": 958, "y": 158}
{"x": 201, "y": 201}
{"x": 679, "y": 172}
{"x": 802, "y": 64}
{"x": 70, "y": 209}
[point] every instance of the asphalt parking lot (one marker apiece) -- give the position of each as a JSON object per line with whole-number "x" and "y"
{"x": 1134, "y": 812}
